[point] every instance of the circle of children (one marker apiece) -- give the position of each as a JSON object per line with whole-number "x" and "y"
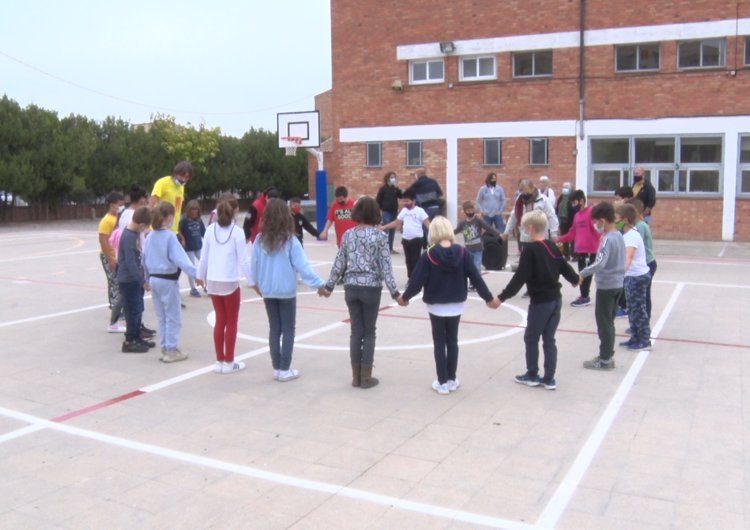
{"x": 145, "y": 247}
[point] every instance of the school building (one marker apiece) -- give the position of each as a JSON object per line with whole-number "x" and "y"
{"x": 579, "y": 90}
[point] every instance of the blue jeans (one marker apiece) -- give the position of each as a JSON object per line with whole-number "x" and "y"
{"x": 131, "y": 294}
{"x": 636, "y": 288}
{"x": 495, "y": 221}
{"x": 167, "y": 304}
{"x": 476, "y": 255}
{"x": 542, "y": 322}
{"x": 282, "y": 320}
{"x": 389, "y": 217}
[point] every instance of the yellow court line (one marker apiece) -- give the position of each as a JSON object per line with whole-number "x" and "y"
{"x": 80, "y": 243}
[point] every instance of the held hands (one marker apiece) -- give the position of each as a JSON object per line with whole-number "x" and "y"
{"x": 504, "y": 237}
{"x": 554, "y": 239}
{"x": 400, "y": 300}
{"x": 112, "y": 265}
{"x": 323, "y": 235}
{"x": 257, "y": 291}
{"x": 200, "y": 283}
{"x": 494, "y": 303}
{"x": 323, "y": 293}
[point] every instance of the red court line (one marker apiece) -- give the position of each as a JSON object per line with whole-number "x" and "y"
{"x": 98, "y": 406}
{"x": 53, "y": 283}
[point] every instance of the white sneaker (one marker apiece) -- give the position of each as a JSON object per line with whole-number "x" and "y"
{"x": 230, "y": 368}
{"x": 440, "y": 389}
{"x": 453, "y": 385}
{"x": 218, "y": 367}
{"x": 174, "y": 357}
{"x": 116, "y": 328}
{"x": 276, "y": 375}
{"x": 288, "y": 375}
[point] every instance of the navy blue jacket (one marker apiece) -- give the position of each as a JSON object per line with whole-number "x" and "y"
{"x": 442, "y": 272}
{"x": 427, "y": 190}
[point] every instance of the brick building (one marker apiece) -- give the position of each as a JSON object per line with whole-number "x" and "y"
{"x": 497, "y": 85}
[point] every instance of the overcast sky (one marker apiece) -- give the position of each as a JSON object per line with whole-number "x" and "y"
{"x": 224, "y": 56}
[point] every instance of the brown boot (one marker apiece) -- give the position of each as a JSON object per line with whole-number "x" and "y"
{"x": 366, "y": 378}
{"x": 356, "y": 369}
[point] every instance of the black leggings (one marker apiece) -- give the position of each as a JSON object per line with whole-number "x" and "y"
{"x": 412, "y": 253}
{"x": 445, "y": 337}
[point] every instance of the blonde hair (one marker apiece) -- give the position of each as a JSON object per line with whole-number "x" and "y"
{"x": 536, "y": 220}
{"x": 441, "y": 229}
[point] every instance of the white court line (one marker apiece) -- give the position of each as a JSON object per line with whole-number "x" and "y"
{"x": 286, "y": 480}
{"x": 49, "y": 255}
{"x": 698, "y": 284}
{"x": 560, "y": 500}
{"x": 723, "y": 251}
{"x": 720, "y": 263}
{"x": 21, "y": 432}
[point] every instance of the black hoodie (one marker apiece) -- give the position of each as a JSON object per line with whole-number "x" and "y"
{"x": 442, "y": 272}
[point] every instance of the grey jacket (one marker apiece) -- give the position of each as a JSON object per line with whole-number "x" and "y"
{"x": 491, "y": 200}
{"x": 609, "y": 265}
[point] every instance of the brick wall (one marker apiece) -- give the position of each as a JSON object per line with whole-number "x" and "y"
{"x": 742, "y": 221}
{"x": 698, "y": 219}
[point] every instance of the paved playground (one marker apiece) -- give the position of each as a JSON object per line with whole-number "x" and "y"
{"x": 94, "y": 438}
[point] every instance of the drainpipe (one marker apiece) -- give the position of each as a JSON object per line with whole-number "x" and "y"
{"x": 582, "y": 78}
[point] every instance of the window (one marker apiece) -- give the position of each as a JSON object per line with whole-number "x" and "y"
{"x": 637, "y": 57}
{"x": 701, "y": 53}
{"x": 747, "y": 51}
{"x": 538, "y": 151}
{"x": 493, "y": 152}
{"x": 673, "y": 164}
{"x": 374, "y": 154}
{"x": 427, "y": 71}
{"x": 745, "y": 165}
{"x": 413, "y": 153}
{"x": 532, "y": 64}
{"x": 476, "y": 68}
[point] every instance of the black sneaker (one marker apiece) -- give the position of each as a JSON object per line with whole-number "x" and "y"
{"x": 472, "y": 288}
{"x": 134, "y": 347}
{"x": 148, "y": 343}
{"x": 147, "y": 331}
{"x": 526, "y": 295}
{"x": 526, "y": 379}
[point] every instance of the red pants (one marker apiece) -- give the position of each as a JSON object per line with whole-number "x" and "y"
{"x": 225, "y": 331}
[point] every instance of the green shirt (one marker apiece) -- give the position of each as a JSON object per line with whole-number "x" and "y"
{"x": 648, "y": 240}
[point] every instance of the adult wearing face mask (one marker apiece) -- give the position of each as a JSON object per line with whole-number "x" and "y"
{"x": 565, "y": 216}
{"x": 491, "y": 202}
{"x": 545, "y": 190}
{"x": 530, "y": 199}
{"x": 387, "y": 199}
{"x": 645, "y": 192}
{"x": 172, "y": 190}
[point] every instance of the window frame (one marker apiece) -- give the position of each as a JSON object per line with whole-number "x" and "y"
{"x": 499, "y": 151}
{"x": 638, "y": 57}
{"x": 546, "y": 151}
{"x": 426, "y": 62}
{"x": 652, "y": 169}
{"x": 367, "y": 154}
{"x": 478, "y": 77}
{"x": 742, "y": 166}
{"x": 421, "y": 152}
{"x": 722, "y": 52}
{"x": 533, "y": 64}
{"x": 746, "y": 62}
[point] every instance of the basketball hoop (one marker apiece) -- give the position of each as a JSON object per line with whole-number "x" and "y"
{"x": 292, "y": 143}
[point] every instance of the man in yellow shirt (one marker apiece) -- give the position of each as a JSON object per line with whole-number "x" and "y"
{"x": 172, "y": 189}
{"x": 116, "y": 203}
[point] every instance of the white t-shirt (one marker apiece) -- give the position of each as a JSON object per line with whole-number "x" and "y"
{"x": 638, "y": 267}
{"x": 413, "y": 220}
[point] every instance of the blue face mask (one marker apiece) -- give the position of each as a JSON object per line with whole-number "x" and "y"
{"x": 170, "y": 225}
{"x": 576, "y": 209}
{"x": 566, "y": 191}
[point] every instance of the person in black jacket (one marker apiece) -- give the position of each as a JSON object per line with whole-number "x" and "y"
{"x": 300, "y": 221}
{"x": 387, "y": 199}
{"x": 645, "y": 192}
{"x": 429, "y": 195}
{"x": 539, "y": 269}
{"x": 442, "y": 272}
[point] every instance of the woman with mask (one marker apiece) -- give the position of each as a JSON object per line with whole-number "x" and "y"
{"x": 565, "y": 216}
{"x": 491, "y": 202}
{"x": 387, "y": 199}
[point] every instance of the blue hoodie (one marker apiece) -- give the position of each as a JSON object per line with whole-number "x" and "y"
{"x": 275, "y": 273}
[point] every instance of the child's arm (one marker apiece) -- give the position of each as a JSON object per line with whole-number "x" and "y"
{"x": 309, "y": 227}
{"x": 419, "y": 278}
{"x": 338, "y": 269}
{"x": 486, "y": 227}
{"x": 302, "y": 265}
{"x": 182, "y": 229}
{"x": 426, "y": 222}
{"x": 247, "y": 226}
{"x": 460, "y": 227}
{"x": 570, "y": 274}
{"x": 203, "y": 228}
{"x": 629, "y": 255}
{"x": 602, "y": 257}
{"x": 521, "y": 277}
{"x": 179, "y": 257}
{"x": 571, "y": 235}
{"x": 240, "y": 246}
{"x": 203, "y": 263}
{"x": 397, "y": 224}
{"x": 129, "y": 261}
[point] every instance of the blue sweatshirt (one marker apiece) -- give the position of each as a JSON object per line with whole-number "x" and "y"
{"x": 442, "y": 272}
{"x": 275, "y": 273}
{"x": 129, "y": 258}
{"x": 164, "y": 255}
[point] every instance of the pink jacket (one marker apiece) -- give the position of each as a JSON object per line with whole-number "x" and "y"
{"x": 583, "y": 233}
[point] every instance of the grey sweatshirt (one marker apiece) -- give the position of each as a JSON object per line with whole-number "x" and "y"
{"x": 472, "y": 229}
{"x": 609, "y": 265}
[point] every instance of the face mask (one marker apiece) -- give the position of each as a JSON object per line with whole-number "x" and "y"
{"x": 493, "y": 182}
{"x": 527, "y": 196}
{"x": 410, "y": 206}
{"x": 566, "y": 191}
{"x": 178, "y": 182}
{"x": 296, "y": 210}
{"x": 121, "y": 208}
{"x": 575, "y": 209}
{"x": 341, "y": 202}
{"x": 141, "y": 230}
{"x": 170, "y": 225}
{"x": 393, "y": 181}
{"x": 470, "y": 215}
{"x": 599, "y": 229}
{"x": 636, "y": 178}
{"x": 618, "y": 203}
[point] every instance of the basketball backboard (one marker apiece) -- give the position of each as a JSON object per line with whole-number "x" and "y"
{"x": 305, "y": 125}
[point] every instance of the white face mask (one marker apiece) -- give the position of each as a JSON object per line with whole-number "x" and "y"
{"x": 121, "y": 208}
{"x": 393, "y": 181}
{"x": 599, "y": 229}
{"x": 178, "y": 182}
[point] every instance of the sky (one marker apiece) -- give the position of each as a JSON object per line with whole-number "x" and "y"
{"x": 230, "y": 63}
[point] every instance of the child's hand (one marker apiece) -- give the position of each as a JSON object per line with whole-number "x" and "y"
{"x": 147, "y": 287}
{"x": 402, "y": 302}
{"x": 504, "y": 237}
{"x": 323, "y": 293}
{"x": 255, "y": 288}
{"x": 200, "y": 283}
{"x": 494, "y": 303}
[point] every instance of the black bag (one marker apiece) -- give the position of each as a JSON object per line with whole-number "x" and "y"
{"x": 494, "y": 253}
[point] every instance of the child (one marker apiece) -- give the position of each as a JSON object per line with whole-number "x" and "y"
{"x": 645, "y": 230}
{"x": 254, "y": 214}
{"x": 586, "y": 239}
{"x": 192, "y": 230}
{"x": 540, "y": 268}
{"x": 277, "y": 257}
{"x": 163, "y": 259}
{"x": 109, "y": 261}
{"x": 300, "y": 221}
{"x": 131, "y": 281}
{"x": 227, "y": 195}
{"x": 637, "y": 279}
{"x": 364, "y": 261}
{"x": 225, "y": 252}
{"x": 340, "y": 214}
{"x": 411, "y": 218}
{"x": 472, "y": 229}
{"x": 609, "y": 268}
{"x": 442, "y": 272}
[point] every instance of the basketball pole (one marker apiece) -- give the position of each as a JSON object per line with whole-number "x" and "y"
{"x": 321, "y": 189}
